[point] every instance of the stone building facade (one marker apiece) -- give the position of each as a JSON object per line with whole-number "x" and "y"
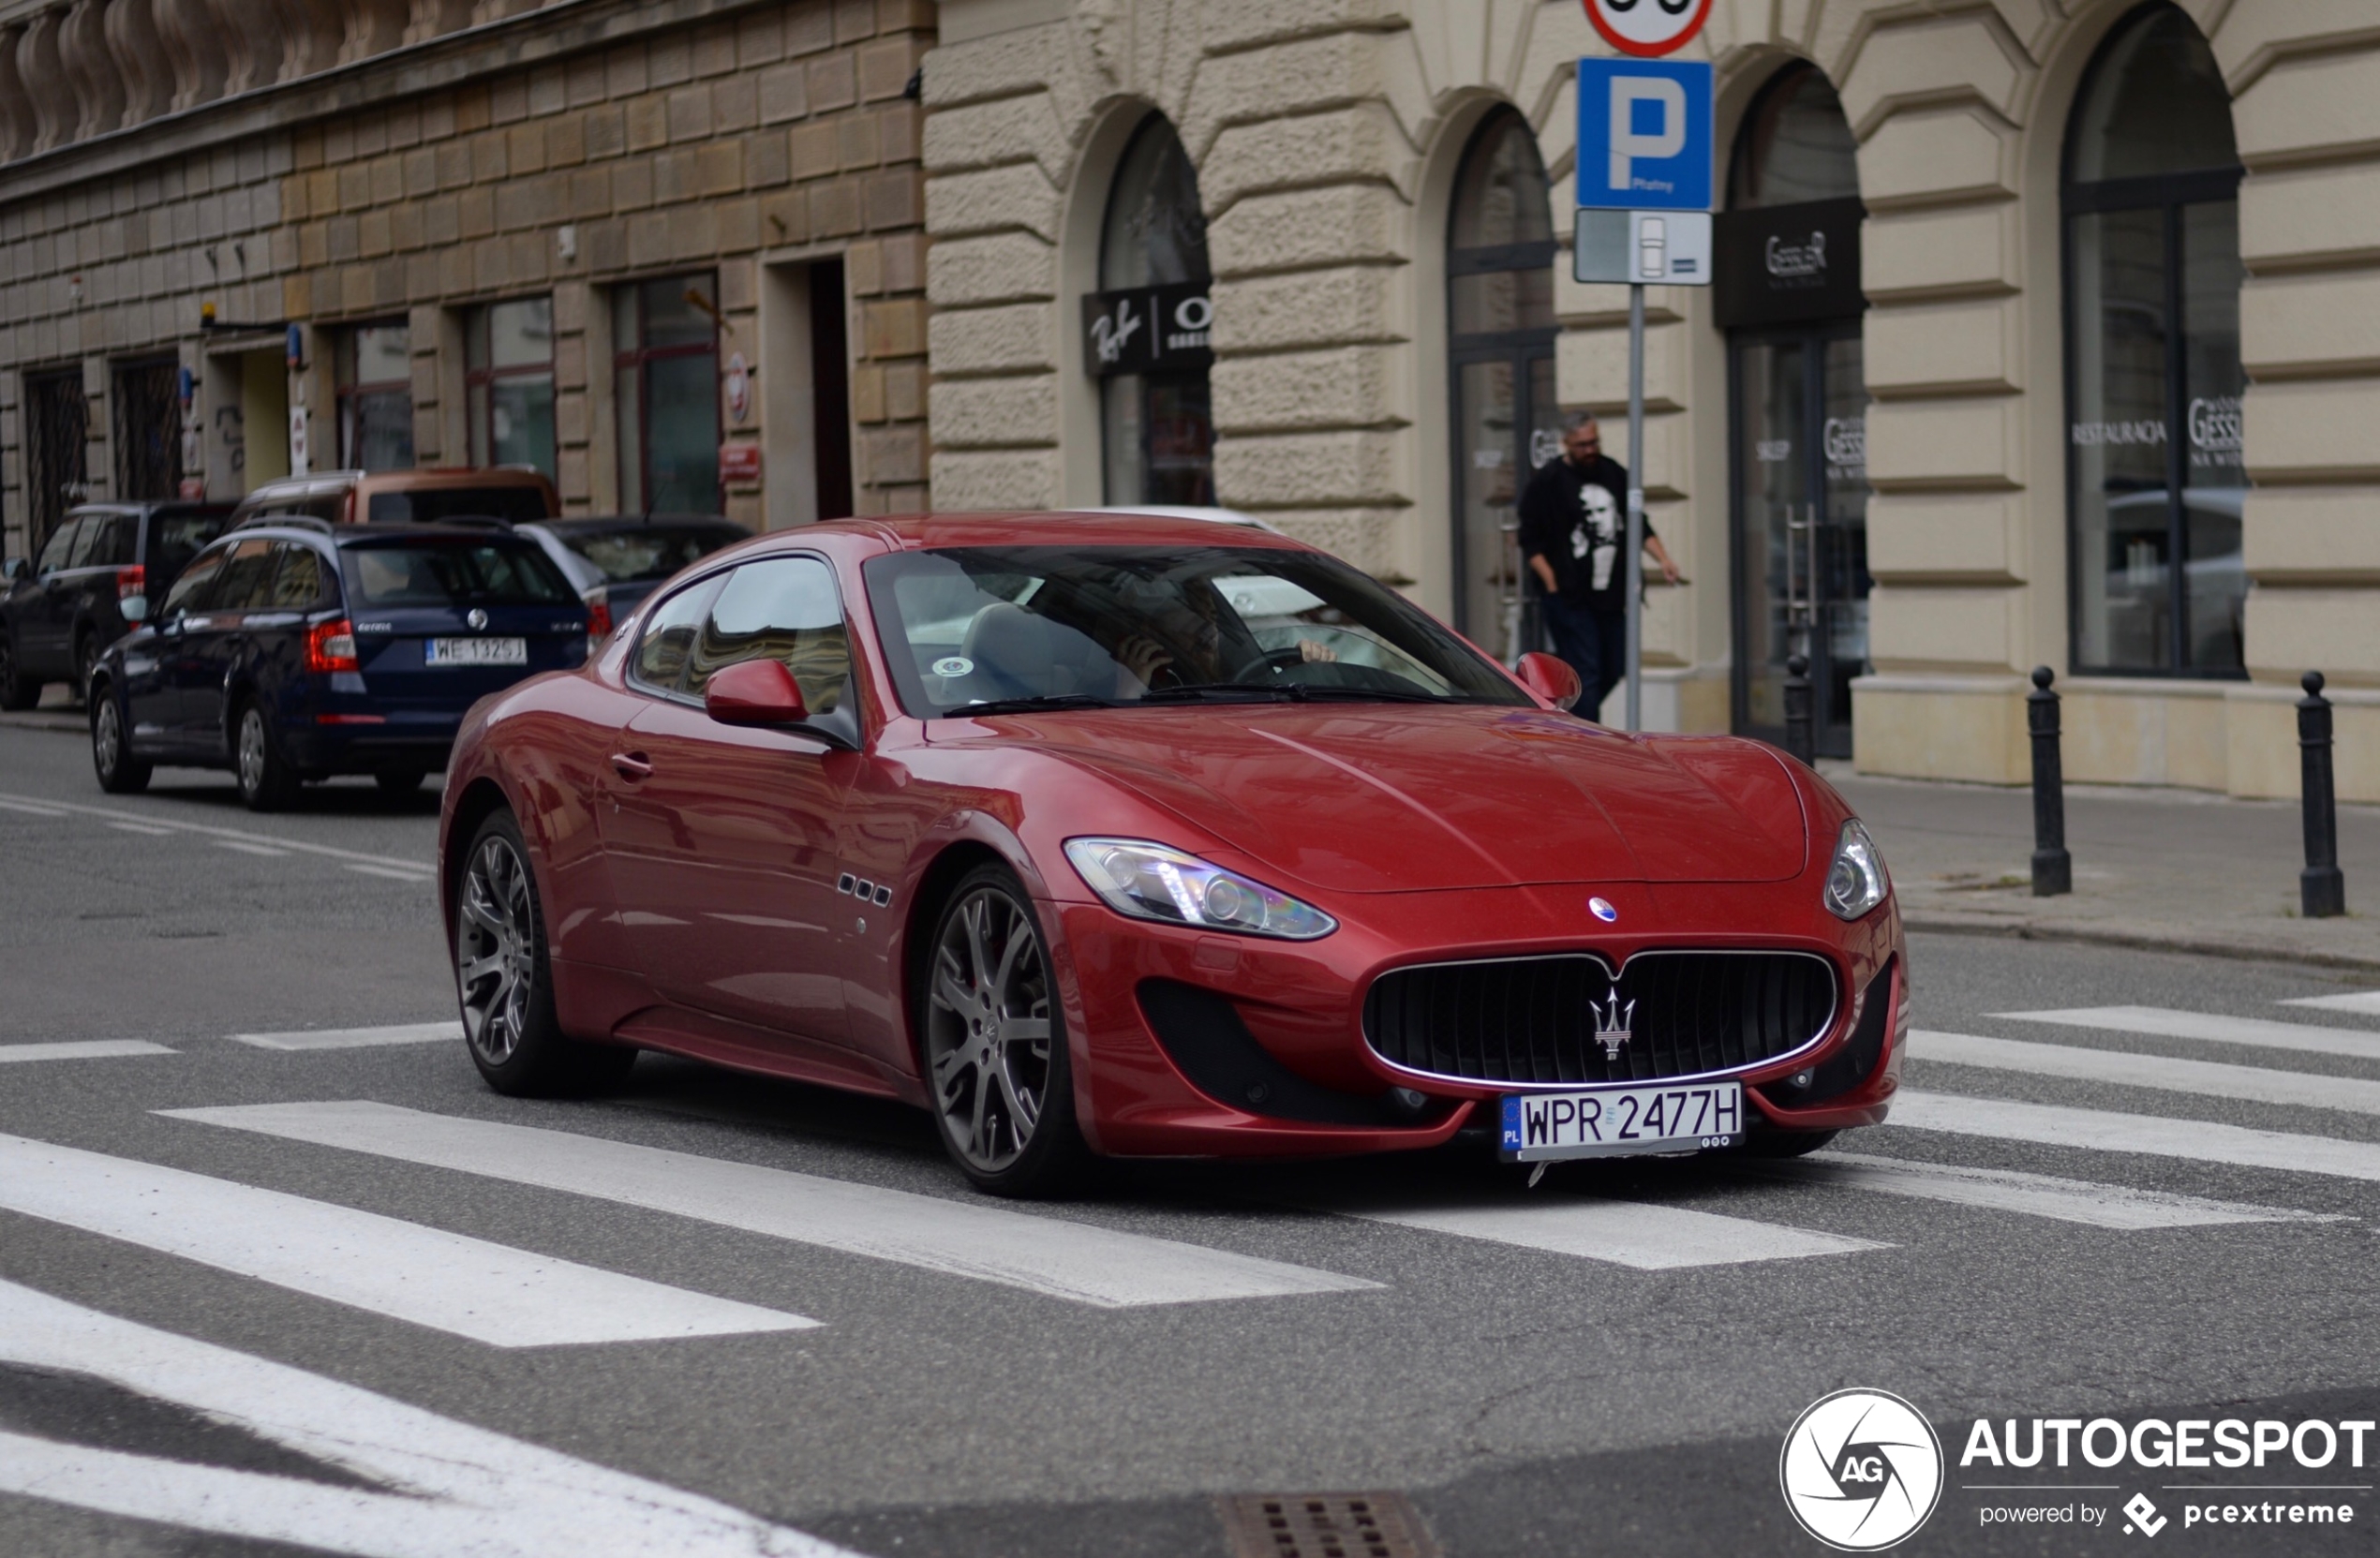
{"x": 2100, "y": 396}
{"x": 239, "y": 234}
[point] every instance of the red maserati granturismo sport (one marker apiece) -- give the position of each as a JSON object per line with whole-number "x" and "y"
{"x": 1138, "y": 836}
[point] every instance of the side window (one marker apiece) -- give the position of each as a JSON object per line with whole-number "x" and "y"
{"x": 670, "y": 629}
{"x": 91, "y": 541}
{"x": 190, "y": 589}
{"x": 784, "y": 609}
{"x": 246, "y": 584}
{"x": 61, "y": 547}
{"x": 124, "y": 541}
{"x": 298, "y": 580}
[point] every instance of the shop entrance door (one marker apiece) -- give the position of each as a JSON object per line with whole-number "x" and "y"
{"x": 1801, "y": 525}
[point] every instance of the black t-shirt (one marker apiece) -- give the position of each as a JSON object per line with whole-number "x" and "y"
{"x": 1577, "y": 519}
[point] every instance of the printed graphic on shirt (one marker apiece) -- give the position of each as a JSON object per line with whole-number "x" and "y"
{"x": 1598, "y": 533}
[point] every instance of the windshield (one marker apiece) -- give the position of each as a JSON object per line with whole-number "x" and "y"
{"x": 978, "y": 627}
{"x": 650, "y": 552}
{"x": 515, "y": 504}
{"x": 456, "y": 573}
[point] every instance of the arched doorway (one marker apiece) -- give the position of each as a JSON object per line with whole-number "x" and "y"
{"x": 2154, "y": 462}
{"x": 1787, "y": 290}
{"x": 1148, "y": 328}
{"x": 1499, "y": 265}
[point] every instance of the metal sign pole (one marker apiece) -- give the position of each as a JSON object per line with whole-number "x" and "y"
{"x": 1635, "y": 505}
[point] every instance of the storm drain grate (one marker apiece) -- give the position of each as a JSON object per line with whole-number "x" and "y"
{"x": 1326, "y": 1526}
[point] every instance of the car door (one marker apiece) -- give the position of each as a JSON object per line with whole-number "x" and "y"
{"x": 213, "y": 639}
{"x": 729, "y": 844}
{"x": 48, "y": 610}
{"x": 152, "y": 678}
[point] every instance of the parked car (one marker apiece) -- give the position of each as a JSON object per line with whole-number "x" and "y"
{"x": 617, "y": 561}
{"x": 294, "y": 649}
{"x": 1154, "y": 838}
{"x": 422, "y": 496}
{"x": 96, "y": 575}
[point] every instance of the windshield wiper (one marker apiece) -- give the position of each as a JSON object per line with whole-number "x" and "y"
{"x": 1191, "y": 692}
{"x": 1305, "y": 691}
{"x": 1027, "y": 705}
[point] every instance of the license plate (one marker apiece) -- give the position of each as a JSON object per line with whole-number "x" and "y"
{"x": 1606, "y": 1122}
{"x": 475, "y": 651}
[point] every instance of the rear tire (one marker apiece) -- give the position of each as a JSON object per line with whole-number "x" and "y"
{"x": 18, "y": 691}
{"x": 267, "y": 782}
{"x": 120, "y": 773}
{"x": 993, "y": 1037}
{"x": 86, "y": 660}
{"x": 394, "y": 782}
{"x": 504, "y": 978}
{"x": 1786, "y": 1144}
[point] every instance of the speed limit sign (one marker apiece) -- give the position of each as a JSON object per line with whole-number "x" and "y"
{"x": 1648, "y": 28}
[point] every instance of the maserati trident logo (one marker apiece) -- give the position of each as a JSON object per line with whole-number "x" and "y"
{"x": 1611, "y": 1024}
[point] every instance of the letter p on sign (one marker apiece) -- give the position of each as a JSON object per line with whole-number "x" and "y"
{"x": 1632, "y": 137}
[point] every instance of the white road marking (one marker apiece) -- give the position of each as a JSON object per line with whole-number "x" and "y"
{"x": 27, "y": 803}
{"x": 357, "y": 1038}
{"x": 962, "y": 1238}
{"x": 32, "y": 810}
{"x": 448, "y": 1281}
{"x": 457, "y": 1491}
{"x": 2364, "y": 1003}
{"x": 1624, "y": 1233}
{"x": 391, "y": 872}
{"x": 2256, "y": 1084}
{"x": 2106, "y": 1131}
{"x": 246, "y": 848}
{"x": 81, "y": 1049}
{"x": 2097, "y": 1206}
{"x": 2254, "y": 1032}
{"x": 144, "y": 829}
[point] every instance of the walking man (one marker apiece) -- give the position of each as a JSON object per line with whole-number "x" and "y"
{"x": 1573, "y": 528}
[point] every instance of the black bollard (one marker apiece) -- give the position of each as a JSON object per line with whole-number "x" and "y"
{"x": 2053, "y": 867}
{"x": 2322, "y": 885}
{"x": 1798, "y": 739}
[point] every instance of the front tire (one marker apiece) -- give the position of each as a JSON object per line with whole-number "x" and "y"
{"x": 267, "y": 782}
{"x": 995, "y": 1042}
{"x": 18, "y": 691}
{"x": 120, "y": 773}
{"x": 504, "y": 978}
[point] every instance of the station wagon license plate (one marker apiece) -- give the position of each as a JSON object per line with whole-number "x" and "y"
{"x": 1606, "y": 1122}
{"x": 475, "y": 651}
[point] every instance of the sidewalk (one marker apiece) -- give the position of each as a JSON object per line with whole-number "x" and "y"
{"x": 2170, "y": 869}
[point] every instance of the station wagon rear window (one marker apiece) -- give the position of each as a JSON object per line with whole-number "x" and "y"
{"x": 456, "y": 573}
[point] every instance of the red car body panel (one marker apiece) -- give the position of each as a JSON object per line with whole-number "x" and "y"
{"x": 689, "y": 869}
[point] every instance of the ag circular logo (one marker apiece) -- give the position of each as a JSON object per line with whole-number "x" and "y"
{"x": 1862, "y": 1470}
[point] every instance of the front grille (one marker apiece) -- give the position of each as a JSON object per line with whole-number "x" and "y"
{"x": 1537, "y": 1020}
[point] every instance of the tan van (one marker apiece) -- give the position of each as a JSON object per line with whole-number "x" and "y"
{"x": 513, "y": 494}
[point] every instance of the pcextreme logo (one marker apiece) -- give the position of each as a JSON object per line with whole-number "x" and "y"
{"x": 1862, "y": 1470}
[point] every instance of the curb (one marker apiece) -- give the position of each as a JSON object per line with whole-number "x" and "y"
{"x": 45, "y": 721}
{"x": 2142, "y": 940}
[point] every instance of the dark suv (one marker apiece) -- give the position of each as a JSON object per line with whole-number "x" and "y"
{"x": 59, "y": 612}
{"x": 291, "y": 650}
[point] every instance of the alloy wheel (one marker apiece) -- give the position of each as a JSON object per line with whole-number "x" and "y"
{"x": 106, "y": 736}
{"x": 496, "y": 950}
{"x": 253, "y": 754}
{"x": 987, "y": 1028}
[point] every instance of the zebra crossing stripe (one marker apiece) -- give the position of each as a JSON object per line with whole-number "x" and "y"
{"x": 442, "y": 1487}
{"x": 2108, "y": 1130}
{"x": 2254, "y": 1032}
{"x": 1062, "y": 1259}
{"x": 490, "y": 1292}
{"x": 2364, "y": 1003}
{"x": 80, "y": 1049}
{"x": 356, "y": 1038}
{"x": 2256, "y": 1084}
{"x": 2098, "y": 1206}
{"x": 1634, "y": 1234}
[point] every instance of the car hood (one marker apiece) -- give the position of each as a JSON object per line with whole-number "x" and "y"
{"x": 1401, "y": 798}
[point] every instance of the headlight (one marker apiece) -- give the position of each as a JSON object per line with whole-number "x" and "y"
{"x": 1149, "y": 882}
{"x": 1856, "y": 883}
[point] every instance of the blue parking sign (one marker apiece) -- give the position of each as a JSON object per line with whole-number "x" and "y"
{"x": 1645, "y": 135}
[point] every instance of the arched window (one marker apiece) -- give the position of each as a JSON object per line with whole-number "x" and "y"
{"x": 1499, "y": 265}
{"x": 1149, "y": 327}
{"x": 2152, "y": 353}
{"x": 1788, "y": 291}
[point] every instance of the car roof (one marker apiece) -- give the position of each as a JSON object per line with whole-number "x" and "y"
{"x": 1054, "y": 527}
{"x": 590, "y": 523}
{"x": 384, "y": 533}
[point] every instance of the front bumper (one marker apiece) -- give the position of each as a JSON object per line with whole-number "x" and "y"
{"x": 1295, "y": 1076}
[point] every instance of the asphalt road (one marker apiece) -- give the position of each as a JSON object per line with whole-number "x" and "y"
{"x": 1607, "y": 1363}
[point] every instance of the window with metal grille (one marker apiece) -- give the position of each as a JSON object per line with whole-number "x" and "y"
{"x": 57, "y": 429}
{"x": 144, "y": 422}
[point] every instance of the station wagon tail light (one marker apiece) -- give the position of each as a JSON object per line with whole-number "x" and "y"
{"x": 1151, "y": 882}
{"x": 1856, "y": 883}
{"x": 599, "y": 616}
{"x": 130, "y": 582}
{"x": 331, "y": 647}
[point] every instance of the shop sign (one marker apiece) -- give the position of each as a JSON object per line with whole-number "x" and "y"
{"x": 1789, "y": 264}
{"x": 738, "y": 464}
{"x": 1148, "y": 328}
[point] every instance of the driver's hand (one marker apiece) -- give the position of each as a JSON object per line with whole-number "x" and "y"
{"x": 1144, "y": 657}
{"x": 1310, "y": 652}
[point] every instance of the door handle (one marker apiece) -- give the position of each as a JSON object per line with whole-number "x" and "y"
{"x": 633, "y": 766}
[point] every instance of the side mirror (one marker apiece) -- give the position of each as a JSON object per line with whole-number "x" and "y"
{"x": 135, "y": 609}
{"x": 1551, "y": 679}
{"x": 18, "y": 571}
{"x": 755, "y": 692}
